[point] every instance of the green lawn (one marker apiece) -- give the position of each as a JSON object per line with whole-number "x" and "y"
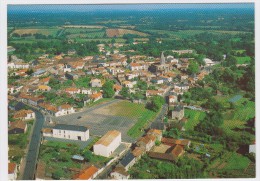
{"x": 243, "y": 60}
{"x": 193, "y": 118}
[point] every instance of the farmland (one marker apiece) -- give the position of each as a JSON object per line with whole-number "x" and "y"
{"x": 120, "y": 32}
{"x": 32, "y": 31}
{"x": 230, "y": 163}
{"x": 193, "y": 118}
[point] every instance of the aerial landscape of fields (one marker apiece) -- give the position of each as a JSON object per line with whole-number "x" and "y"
{"x": 158, "y": 91}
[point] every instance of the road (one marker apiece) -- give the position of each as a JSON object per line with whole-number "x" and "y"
{"x": 32, "y": 155}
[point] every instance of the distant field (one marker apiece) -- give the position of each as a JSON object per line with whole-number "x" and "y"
{"x": 81, "y": 30}
{"x": 84, "y": 26}
{"x": 243, "y": 60}
{"x": 47, "y": 31}
{"x": 193, "y": 118}
{"x": 120, "y": 32}
{"x": 127, "y": 26}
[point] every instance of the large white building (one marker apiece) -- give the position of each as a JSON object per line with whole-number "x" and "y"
{"x": 108, "y": 143}
{"x": 64, "y": 131}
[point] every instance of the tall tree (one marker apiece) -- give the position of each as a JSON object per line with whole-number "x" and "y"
{"x": 108, "y": 90}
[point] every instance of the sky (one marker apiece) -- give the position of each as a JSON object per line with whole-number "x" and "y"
{"x": 140, "y": 7}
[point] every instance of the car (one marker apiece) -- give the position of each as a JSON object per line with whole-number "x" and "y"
{"x": 79, "y": 117}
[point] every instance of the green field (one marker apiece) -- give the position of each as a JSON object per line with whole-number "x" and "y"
{"x": 236, "y": 118}
{"x": 243, "y": 60}
{"x": 193, "y": 118}
{"x": 134, "y": 111}
{"x": 230, "y": 161}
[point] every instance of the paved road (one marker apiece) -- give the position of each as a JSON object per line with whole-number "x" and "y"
{"x": 32, "y": 155}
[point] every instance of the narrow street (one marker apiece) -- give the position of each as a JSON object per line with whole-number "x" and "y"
{"x": 27, "y": 173}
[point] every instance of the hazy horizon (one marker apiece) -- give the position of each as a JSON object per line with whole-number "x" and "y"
{"x": 137, "y": 7}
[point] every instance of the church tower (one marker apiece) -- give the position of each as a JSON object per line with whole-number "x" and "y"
{"x": 162, "y": 59}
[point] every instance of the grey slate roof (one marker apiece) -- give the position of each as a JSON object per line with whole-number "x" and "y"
{"x": 70, "y": 127}
{"x": 127, "y": 159}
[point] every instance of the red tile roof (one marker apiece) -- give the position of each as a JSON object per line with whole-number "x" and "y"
{"x": 86, "y": 174}
{"x": 11, "y": 168}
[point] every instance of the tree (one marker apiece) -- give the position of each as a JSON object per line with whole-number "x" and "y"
{"x": 108, "y": 90}
{"x": 156, "y": 103}
{"x": 193, "y": 68}
{"x": 88, "y": 155}
{"x": 125, "y": 92}
{"x": 142, "y": 85}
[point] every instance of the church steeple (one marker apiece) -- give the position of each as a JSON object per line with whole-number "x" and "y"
{"x": 162, "y": 59}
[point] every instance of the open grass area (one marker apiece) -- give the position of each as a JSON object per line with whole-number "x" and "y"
{"x": 243, "y": 60}
{"x": 134, "y": 111}
{"x": 100, "y": 101}
{"x": 193, "y": 118}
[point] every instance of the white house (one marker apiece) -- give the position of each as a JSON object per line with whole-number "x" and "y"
{"x": 67, "y": 68}
{"x": 182, "y": 87}
{"x": 18, "y": 65}
{"x": 128, "y": 160}
{"x": 108, "y": 143}
{"x": 71, "y": 132}
{"x": 135, "y": 66}
{"x": 172, "y": 99}
{"x": 129, "y": 84}
{"x": 24, "y": 114}
{"x": 64, "y": 110}
{"x": 208, "y": 62}
{"x": 96, "y": 83}
{"x": 87, "y": 91}
{"x": 150, "y": 93}
{"x": 72, "y": 90}
{"x": 119, "y": 173}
